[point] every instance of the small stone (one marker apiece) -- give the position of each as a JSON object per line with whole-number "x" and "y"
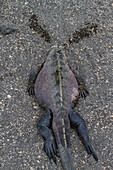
{"x": 8, "y": 96}
{"x": 38, "y": 161}
{"x": 35, "y": 107}
{"x": 26, "y": 3}
{"x": 10, "y": 56}
{"x": 111, "y": 116}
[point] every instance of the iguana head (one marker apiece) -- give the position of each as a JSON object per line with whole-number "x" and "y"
{"x": 56, "y": 52}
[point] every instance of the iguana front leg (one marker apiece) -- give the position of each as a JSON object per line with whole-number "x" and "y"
{"x": 32, "y": 78}
{"x": 83, "y": 92}
{"x": 78, "y": 123}
{"x": 44, "y": 125}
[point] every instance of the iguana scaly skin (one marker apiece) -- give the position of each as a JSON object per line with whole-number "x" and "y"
{"x": 57, "y": 90}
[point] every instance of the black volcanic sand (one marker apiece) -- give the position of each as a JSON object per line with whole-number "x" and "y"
{"x": 28, "y": 29}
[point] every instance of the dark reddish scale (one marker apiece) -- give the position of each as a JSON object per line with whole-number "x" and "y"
{"x": 45, "y": 86}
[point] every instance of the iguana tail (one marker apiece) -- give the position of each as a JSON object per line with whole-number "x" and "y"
{"x": 65, "y": 154}
{"x": 61, "y": 128}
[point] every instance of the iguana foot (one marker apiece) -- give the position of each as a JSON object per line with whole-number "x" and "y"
{"x": 83, "y": 92}
{"x": 31, "y": 82}
{"x": 50, "y": 148}
{"x": 89, "y": 150}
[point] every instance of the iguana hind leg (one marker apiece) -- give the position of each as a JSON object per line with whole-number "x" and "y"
{"x": 44, "y": 125}
{"x": 78, "y": 123}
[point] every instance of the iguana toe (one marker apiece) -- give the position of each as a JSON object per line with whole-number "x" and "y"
{"x": 83, "y": 92}
{"x": 50, "y": 149}
{"x": 30, "y": 90}
{"x": 91, "y": 152}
